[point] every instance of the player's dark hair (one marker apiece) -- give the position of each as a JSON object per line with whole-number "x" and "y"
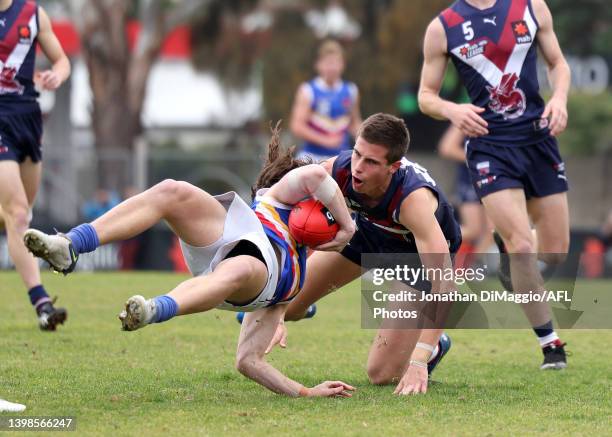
{"x": 389, "y": 131}
{"x": 279, "y": 162}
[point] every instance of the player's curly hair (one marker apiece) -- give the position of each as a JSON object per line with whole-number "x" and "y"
{"x": 279, "y": 162}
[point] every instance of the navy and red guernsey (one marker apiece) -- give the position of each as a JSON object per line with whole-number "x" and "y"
{"x": 378, "y": 228}
{"x": 18, "y": 37}
{"x": 494, "y": 51}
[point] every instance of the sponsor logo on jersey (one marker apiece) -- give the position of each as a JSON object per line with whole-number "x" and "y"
{"x": 490, "y": 20}
{"x": 470, "y": 50}
{"x": 25, "y": 34}
{"x": 483, "y": 167}
{"x": 3, "y": 22}
{"x": 521, "y": 32}
{"x": 560, "y": 169}
{"x": 485, "y": 181}
{"x": 506, "y": 98}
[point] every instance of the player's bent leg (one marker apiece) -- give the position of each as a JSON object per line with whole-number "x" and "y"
{"x": 550, "y": 216}
{"x": 194, "y": 215}
{"x": 325, "y": 272}
{"x": 238, "y": 279}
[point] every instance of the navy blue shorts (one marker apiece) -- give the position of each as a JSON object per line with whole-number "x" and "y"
{"x": 464, "y": 190}
{"x": 20, "y": 137}
{"x": 537, "y": 169}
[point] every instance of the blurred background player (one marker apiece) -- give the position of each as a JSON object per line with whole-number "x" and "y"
{"x": 325, "y": 111}
{"x": 242, "y": 258}
{"x": 512, "y": 152}
{"x": 24, "y": 24}
{"x": 476, "y": 229}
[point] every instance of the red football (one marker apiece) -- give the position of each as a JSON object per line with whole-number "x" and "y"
{"x": 311, "y": 224}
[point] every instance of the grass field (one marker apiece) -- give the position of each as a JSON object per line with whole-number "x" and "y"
{"x": 179, "y": 378}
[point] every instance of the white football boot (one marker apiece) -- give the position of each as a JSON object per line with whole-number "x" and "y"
{"x": 10, "y": 407}
{"x": 56, "y": 249}
{"x": 138, "y": 313}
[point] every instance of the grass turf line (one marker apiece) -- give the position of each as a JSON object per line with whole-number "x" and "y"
{"x": 179, "y": 377}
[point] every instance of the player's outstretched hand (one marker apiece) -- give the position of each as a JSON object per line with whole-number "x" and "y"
{"x": 280, "y": 337}
{"x": 331, "y": 389}
{"x": 466, "y": 117}
{"x": 340, "y": 240}
{"x": 413, "y": 382}
{"x": 556, "y": 109}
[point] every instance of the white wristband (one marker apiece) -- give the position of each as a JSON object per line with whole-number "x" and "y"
{"x": 425, "y": 346}
{"x": 326, "y": 190}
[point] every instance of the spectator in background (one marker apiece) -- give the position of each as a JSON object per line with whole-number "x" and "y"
{"x": 325, "y": 111}
{"x": 103, "y": 201}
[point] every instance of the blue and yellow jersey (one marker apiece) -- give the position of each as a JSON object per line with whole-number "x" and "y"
{"x": 331, "y": 113}
{"x": 274, "y": 217}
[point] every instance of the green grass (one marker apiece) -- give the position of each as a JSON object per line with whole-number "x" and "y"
{"x": 179, "y": 377}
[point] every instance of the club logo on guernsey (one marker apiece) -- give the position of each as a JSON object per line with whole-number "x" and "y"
{"x": 470, "y": 50}
{"x": 8, "y": 81}
{"x": 506, "y": 98}
{"x": 521, "y": 32}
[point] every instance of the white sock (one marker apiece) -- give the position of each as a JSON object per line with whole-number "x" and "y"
{"x": 548, "y": 339}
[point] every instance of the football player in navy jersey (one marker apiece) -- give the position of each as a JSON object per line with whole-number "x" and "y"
{"x": 399, "y": 209}
{"x": 512, "y": 152}
{"x": 23, "y": 25}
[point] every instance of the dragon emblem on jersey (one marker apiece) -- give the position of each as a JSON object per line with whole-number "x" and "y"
{"x": 8, "y": 83}
{"x": 507, "y": 99}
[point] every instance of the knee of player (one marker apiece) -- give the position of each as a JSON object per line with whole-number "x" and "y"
{"x": 379, "y": 375}
{"x": 521, "y": 244}
{"x": 18, "y": 213}
{"x": 244, "y": 269}
{"x": 170, "y": 191}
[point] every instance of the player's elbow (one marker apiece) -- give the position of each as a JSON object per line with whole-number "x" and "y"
{"x": 314, "y": 175}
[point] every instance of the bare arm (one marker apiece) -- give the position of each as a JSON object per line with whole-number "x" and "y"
{"x": 558, "y": 69}
{"x": 60, "y": 66}
{"x": 257, "y": 330}
{"x": 300, "y": 114}
{"x": 451, "y": 145}
{"x": 313, "y": 180}
{"x": 435, "y": 59}
{"x": 417, "y": 214}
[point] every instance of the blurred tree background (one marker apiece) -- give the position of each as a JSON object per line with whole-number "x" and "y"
{"x": 271, "y": 44}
